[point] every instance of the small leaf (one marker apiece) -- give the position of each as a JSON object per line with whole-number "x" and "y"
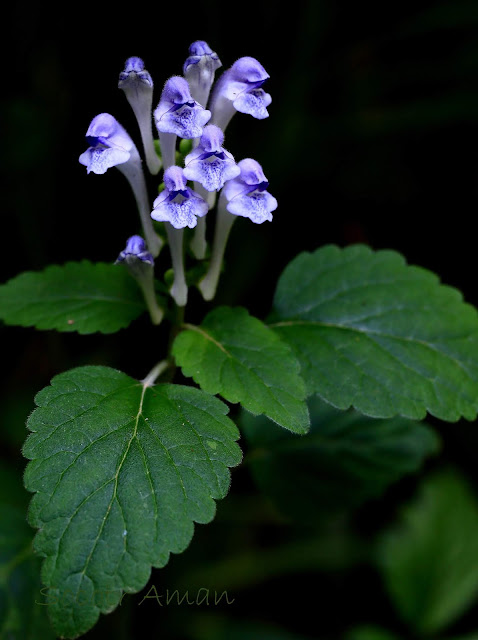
{"x": 237, "y": 356}
{"x": 78, "y": 296}
{"x": 373, "y": 333}
{"x": 121, "y": 471}
{"x": 429, "y": 559}
{"x": 346, "y": 458}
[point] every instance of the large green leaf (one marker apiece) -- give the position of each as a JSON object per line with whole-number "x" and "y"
{"x": 78, "y": 296}
{"x": 121, "y": 471}
{"x": 429, "y": 558}
{"x": 373, "y": 333}
{"x": 345, "y": 459}
{"x": 237, "y": 356}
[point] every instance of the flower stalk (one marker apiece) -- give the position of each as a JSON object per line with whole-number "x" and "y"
{"x": 224, "y": 222}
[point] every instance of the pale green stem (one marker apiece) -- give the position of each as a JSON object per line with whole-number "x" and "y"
{"x": 222, "y": 112}
{"x": 179, "y": 290}
{"x": 167, "y": 142}
{"x": 143, "y": 273}
{"x": 147, "y": 287}
{"x": 142, "y": 111}
{"x": 198, "y": 243}
{"x": 155, "y": 372}
{"x": 133, "y": 171}
{"x": 224, "y": 222}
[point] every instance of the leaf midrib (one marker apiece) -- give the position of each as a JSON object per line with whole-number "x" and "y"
{"x": 120, "y": 466}
{"x": 370, "y": 332}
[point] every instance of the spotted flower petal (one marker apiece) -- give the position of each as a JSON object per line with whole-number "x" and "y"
{"x": 178, "y": 204}
{"x": 247, "y": 195}
{"x": 239, "y": 89}
{"x": 178, "y": 112}
{"x": 209, "y": 163}
{"x": 110, "y": 144}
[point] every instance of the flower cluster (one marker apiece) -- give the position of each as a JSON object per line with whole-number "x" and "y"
{"x": 190, "y": 107}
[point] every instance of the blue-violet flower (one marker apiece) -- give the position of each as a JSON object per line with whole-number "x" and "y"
{"x": 137, "y": 84}
{"x": 136, "y": 250}
{"x": 240, "y": 89}
{"x": 140, "y": 263}
{"x": 199, "y": 70}
{"x": 178, "y": 112}
{"x": 209, "y": 163}
{"x": 247, "y": 194}
{"x": 178, "y": 204}
{"x": 110, "y": 144}
{"x": 134, "y": 76}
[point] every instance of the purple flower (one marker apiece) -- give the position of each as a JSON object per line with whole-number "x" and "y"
{"x": 240, "y": 89}
{"x": 209, "y": 163}
{"x": 178, "y": 204}
{"x": 134, "y": 75}
{"x": 199, "y": 70}
{"x": 178, "y": 112}
{"x": 110, "y": 144}
{"x": 138, "y": 88}
{"x": 247, "y": 195}
{"x": 135, "y": 250}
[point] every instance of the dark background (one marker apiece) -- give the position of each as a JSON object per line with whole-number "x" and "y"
{"x": 372, "y": 137}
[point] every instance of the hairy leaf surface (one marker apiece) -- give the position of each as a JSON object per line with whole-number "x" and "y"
{"x": 121, "y": 472}
{"x": 237, "y": 356}
{"x": 77, "y": 296}
{"x": 373, "y": 333}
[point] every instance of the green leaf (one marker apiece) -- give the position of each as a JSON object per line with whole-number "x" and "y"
{"x": 21, "y": 618}
{"x": 121, "y": 471}
{"x": 346, "y": 458}
{"x": 429, "y": 559}
{"x": 373, "y": 333}
{"x": 78, "y": 296}
{"x": 237, "y": 356}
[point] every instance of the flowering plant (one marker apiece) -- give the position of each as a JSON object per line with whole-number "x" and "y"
{"x": 121, "y": 469}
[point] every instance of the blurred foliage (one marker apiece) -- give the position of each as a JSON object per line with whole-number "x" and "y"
{"x": 346, "y": 459}
{"x": 430, "y": 559}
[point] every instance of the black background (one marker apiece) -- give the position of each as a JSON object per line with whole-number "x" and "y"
{"x": 372, "y": 137}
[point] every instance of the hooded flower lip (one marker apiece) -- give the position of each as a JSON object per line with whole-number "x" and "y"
{"x": 209, "y": 163}
{"x": 247, "y": 194}
{"x": 110, "y": 144}
{"x": 178, "y": 112}
{"x": 241, "y": 85}
{"x": 245, "y": 74}
{"x": 198, "y": 50}
{"x": 134, "y": 74}
{"x": 178, "y": 204}
{"x": 135, "y": 250}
